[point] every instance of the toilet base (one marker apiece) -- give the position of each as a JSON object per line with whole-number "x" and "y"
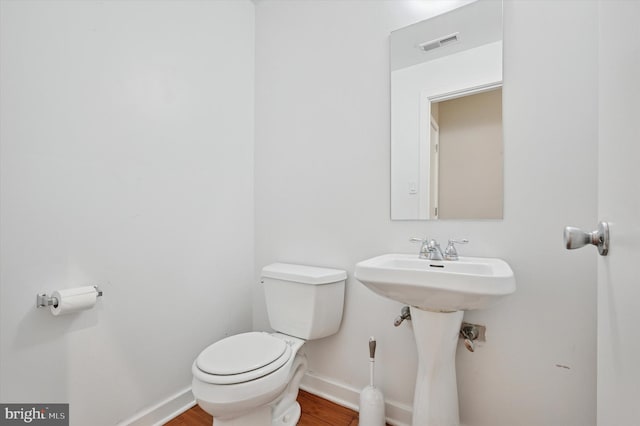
{"x": 259, "y": 416}
{"x": 262, "y": 416}
{"x": 289, "y": 417}
{"x": 285, "y": 411}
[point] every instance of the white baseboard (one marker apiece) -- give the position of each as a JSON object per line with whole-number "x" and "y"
{"x": 398, "y": 414}
{"x": 163, "y": 411}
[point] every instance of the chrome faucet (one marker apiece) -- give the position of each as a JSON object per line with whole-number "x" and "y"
{"x": 429, "y": 249}
{"x": 450, "y": 253}
{"x": 424, "y": 247}
{"x": 435, "y": 252}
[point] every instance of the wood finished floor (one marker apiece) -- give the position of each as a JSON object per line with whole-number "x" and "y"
{"x": 315, "y": 412}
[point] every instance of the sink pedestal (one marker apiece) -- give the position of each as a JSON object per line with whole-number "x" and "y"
{"x": 435, "y": 401}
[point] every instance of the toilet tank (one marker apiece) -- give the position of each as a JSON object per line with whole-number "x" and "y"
{"x": 304, "y": 301}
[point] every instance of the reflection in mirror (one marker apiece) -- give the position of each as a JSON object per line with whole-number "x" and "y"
{"x": 446, "y": 116}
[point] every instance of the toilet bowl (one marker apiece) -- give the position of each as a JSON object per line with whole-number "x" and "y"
{"x": 236, "y": 375}
{"x": 252, "y": 379}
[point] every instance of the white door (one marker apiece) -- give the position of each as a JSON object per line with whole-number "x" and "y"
{"x": 619, "y": 204}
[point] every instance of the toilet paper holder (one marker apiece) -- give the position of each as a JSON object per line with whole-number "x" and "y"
{"x": 42, "y": 300}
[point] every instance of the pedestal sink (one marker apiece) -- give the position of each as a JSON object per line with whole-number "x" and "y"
{"x": 438, "y": 292}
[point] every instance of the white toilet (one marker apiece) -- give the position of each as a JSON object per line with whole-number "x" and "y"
{"x": 252, "y": 379}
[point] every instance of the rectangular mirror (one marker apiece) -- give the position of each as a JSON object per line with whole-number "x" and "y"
{"x": 446, "y": 116}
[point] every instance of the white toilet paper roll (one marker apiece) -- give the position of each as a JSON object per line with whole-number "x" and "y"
{"x": 74, "y": 300}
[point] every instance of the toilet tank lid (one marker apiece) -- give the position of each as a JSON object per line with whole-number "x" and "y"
{"x": 303, "y": 274}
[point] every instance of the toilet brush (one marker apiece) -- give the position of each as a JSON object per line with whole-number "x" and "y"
{"x": 371, "y": 398}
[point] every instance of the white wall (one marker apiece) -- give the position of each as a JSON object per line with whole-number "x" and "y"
{"x": 322, "y": 198}
{"x": 127, "y": 161}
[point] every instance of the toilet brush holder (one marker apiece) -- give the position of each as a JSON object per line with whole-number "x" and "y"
{"x": 371, "y": 398}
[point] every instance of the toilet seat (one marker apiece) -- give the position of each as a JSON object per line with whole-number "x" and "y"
{"x": 242, "y": 358}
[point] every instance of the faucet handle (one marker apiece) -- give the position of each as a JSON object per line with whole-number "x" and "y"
{"x": 450, "y": 253}
{"x": 462, "y": 241}
{"x": 424, "y": 250}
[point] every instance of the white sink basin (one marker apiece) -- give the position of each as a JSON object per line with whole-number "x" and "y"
{"x": 443, "y": 286}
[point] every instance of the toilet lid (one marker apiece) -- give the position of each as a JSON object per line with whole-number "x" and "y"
{"x": 240, "y": 354}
